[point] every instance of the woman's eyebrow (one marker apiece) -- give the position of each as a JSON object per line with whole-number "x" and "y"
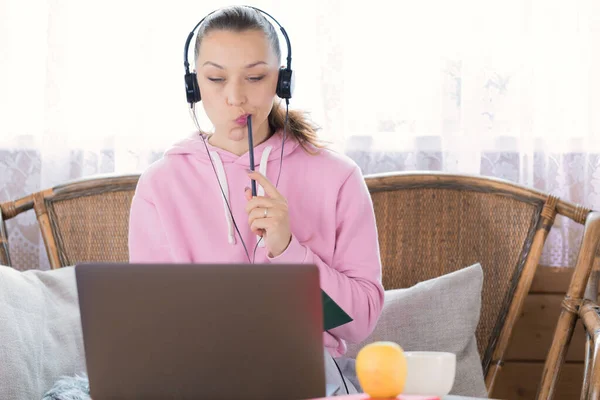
{"x": 254, "y": 64}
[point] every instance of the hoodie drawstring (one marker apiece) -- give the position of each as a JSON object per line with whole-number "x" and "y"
{"x": 223, "y": 181}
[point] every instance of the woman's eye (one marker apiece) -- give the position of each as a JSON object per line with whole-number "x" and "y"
{"x": 251, "y": 79}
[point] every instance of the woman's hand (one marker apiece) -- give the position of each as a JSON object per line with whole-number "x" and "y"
{"x": 268, "y": 216}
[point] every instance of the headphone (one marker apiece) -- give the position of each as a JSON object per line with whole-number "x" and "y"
{"x": 285, "y": 80}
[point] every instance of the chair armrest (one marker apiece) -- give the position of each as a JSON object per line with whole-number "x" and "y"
{"x": 590, "y": 317}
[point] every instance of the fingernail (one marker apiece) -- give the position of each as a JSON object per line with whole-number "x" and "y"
{"x": 249, "y": 170}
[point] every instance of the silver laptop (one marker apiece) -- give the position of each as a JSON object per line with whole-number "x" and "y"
{"x": 218, "y": 331}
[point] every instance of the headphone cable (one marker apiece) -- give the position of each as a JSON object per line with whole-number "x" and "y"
{"x": 195, "y": 118}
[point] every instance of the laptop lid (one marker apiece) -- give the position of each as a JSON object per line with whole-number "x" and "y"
{"x": 219, "y": 331}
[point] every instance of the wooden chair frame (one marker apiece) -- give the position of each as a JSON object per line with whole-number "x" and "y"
{"x": 579, "y": 302}
{"x": 8, "y": 210}
{"x": 4, "y": 250}
{"x": 42, "y": 201}
{"x": 589, "y": 313}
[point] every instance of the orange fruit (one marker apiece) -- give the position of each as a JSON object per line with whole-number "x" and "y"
{"x": 381, "y": 369}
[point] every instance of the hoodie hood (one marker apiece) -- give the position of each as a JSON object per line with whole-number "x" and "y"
{"x": 264, "y": 153}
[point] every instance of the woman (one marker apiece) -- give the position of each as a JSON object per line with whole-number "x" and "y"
{"x": 195, "y": 205}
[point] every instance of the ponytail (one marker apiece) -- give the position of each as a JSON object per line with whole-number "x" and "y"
{"x": 298, "y": 125}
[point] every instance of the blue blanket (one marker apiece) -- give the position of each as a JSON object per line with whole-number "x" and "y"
{"x": 69, "y": 388}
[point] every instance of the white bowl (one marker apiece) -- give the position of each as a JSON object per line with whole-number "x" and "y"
{"x": 429, "y": 373}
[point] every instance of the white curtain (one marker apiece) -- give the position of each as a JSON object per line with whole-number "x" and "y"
{"x": 509, "y": 89}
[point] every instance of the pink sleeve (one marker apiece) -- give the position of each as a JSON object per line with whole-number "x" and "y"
{"x": 354, "y": 278}
{"x": 147, "y": 241}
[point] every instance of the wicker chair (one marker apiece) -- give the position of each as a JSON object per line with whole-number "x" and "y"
{"x": 10, "y": 210}
{"x": 429, "y": 224}
{"x": 4, "y": 250}
{"x": 589, "y": 312}
{"x": 84, "y": 220}
{"x": 433, "y": 223}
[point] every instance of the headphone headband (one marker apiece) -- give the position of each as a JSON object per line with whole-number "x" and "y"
{"x": 285, "y": 82}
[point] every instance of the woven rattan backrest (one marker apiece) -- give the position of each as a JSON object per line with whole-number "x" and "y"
{"x": 430, "y": 227}
{"x": 89, "y": 220}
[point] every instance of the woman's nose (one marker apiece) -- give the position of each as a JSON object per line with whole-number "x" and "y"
{"x": 236, "y": 94}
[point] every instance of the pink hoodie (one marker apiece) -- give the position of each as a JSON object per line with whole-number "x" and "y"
{"x": 178, "y": 215}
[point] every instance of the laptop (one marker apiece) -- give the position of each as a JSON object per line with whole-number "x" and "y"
{"x": 209, "y": 331}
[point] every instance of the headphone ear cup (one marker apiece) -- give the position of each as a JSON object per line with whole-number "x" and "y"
{"x": 192, "y": 91}
{"x": 285, "y": 83}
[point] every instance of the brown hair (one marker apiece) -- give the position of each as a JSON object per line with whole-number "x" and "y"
{"x": 242, "y": 18}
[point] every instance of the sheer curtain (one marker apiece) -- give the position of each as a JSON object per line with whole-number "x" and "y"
{"x": 509, "y": 89}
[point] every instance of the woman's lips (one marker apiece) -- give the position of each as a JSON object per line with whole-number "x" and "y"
{"x": 242, "y": 120}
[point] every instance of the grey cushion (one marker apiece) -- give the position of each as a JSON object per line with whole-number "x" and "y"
{"x": 40, "y": 331}
{"x": 437, "y": 315}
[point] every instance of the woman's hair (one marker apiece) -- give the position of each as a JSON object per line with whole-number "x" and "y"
{"x": 240, "y": 19}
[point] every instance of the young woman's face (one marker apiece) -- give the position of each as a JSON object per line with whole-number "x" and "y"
{"x": 237, "y": 75}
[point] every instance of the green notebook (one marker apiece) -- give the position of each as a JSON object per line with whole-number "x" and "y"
{"x": 333, "y": 315}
